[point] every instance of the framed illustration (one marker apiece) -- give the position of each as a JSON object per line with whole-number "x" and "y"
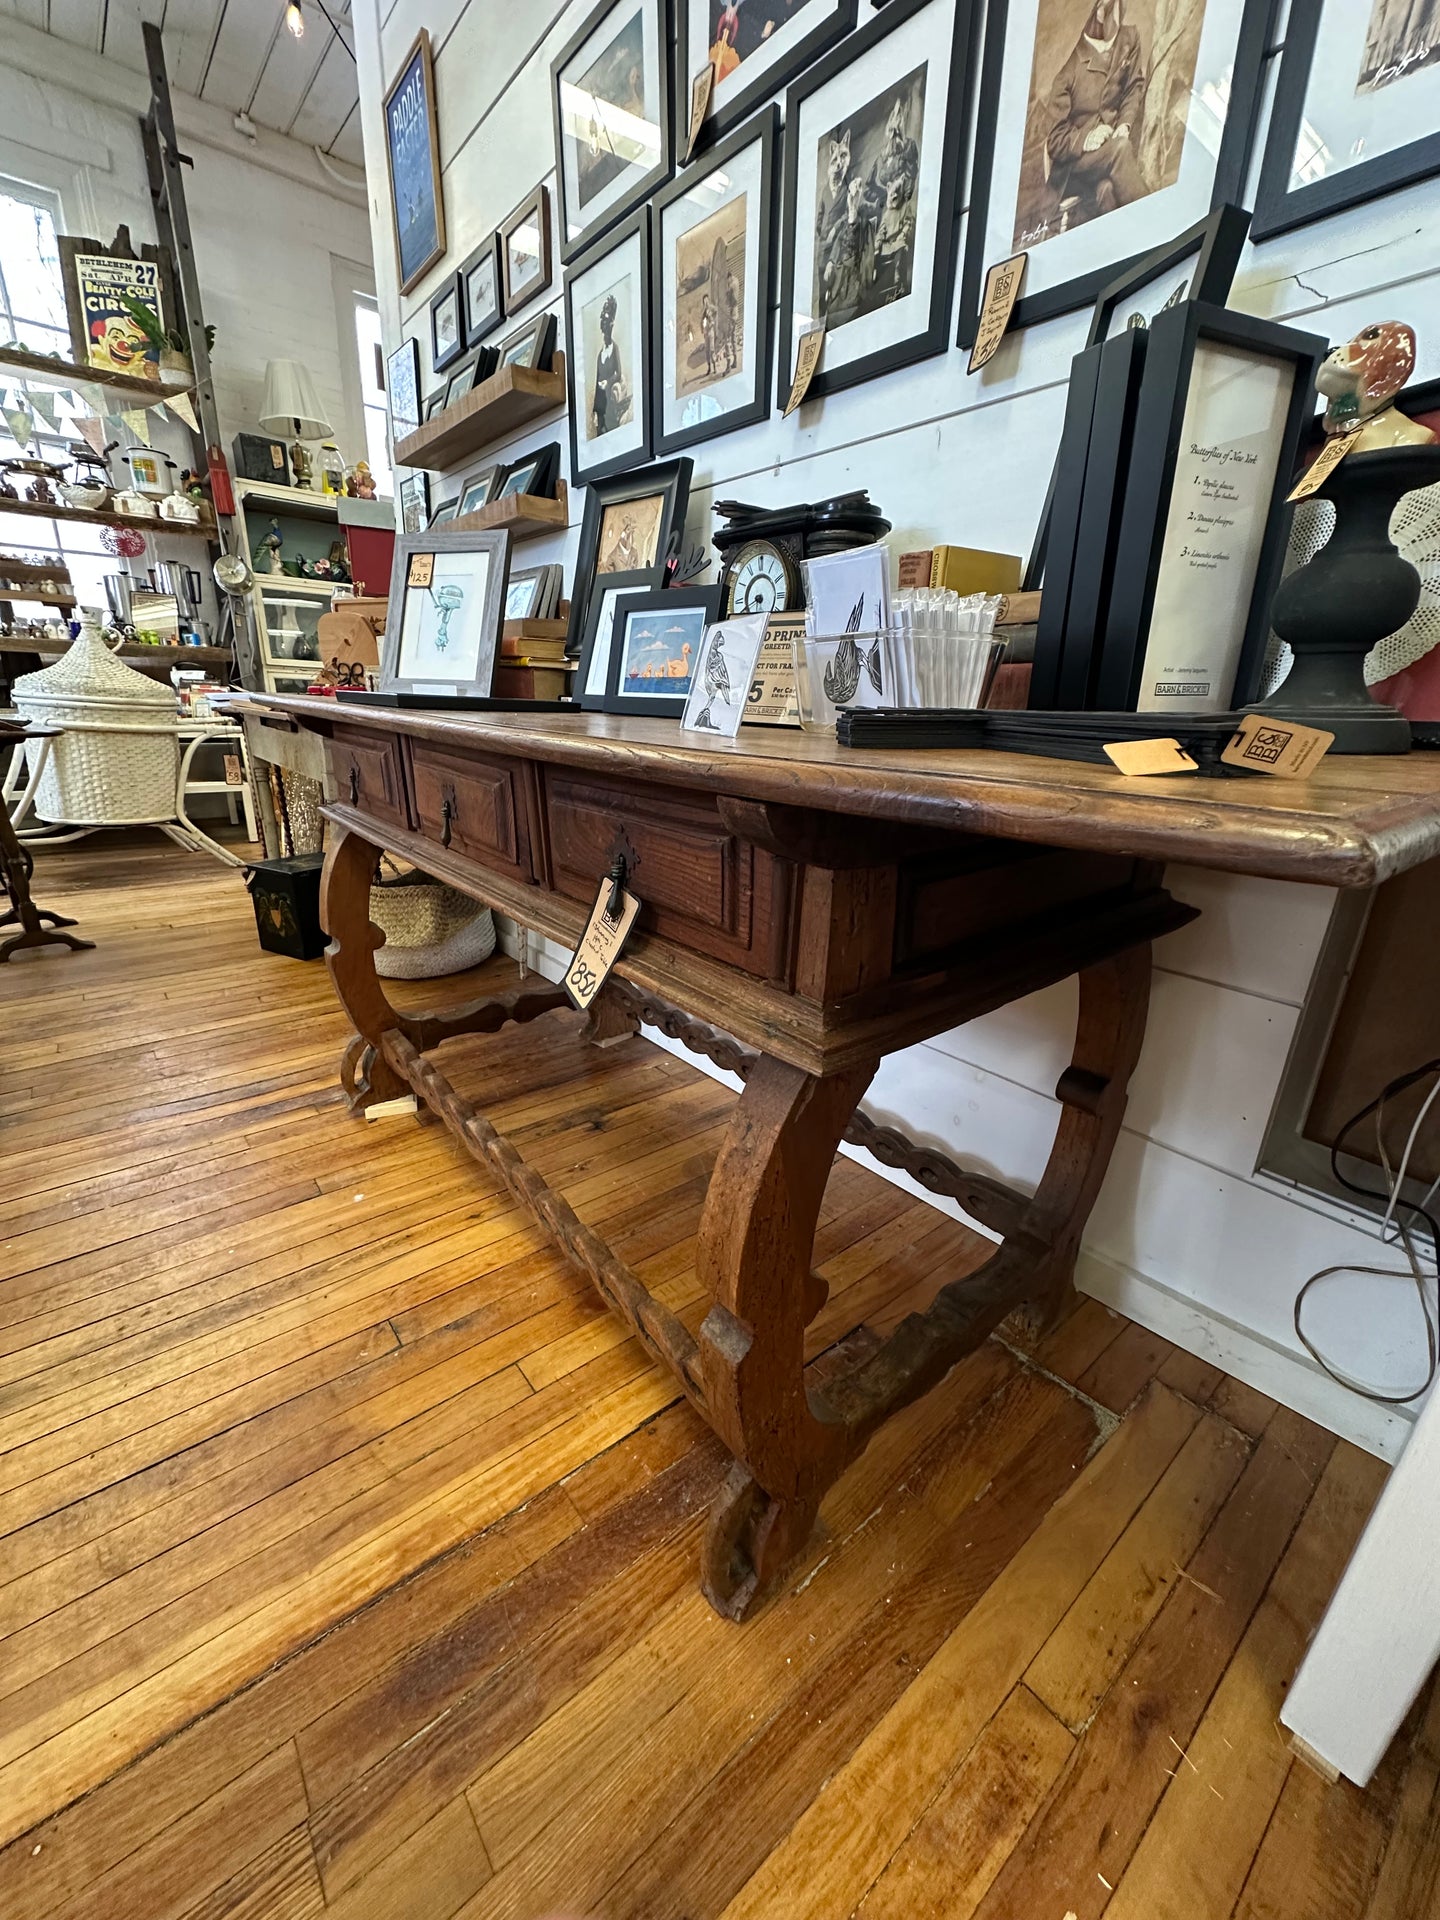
{"x": 610, "y": 89}
{"x": 525, "y": 593}
{"x": 446, "y": 511}
{"x": 1224, "y": 403}
{"x": 460, "y": 382}
{"x": 477, "y": 488}
{"x": 415, "y": 502}
{"x": 1357, "y": 109}
{"x": 535, "y": 472}
{"x": 655, "y": 647}
{"x": 592, "y": 676}
{"x": 1104, "y": 127}
{"x": 525, "y": 250}
{"x": 412, "y": 155}
{"x": 632, "y": 524}
{"x": 436, "y": 402}
{"x": 714, "y": 260}
{"x": 874, "y": 142}
{"x": 756, "y": 52}
{"x": 607, "y": 360}
{"x": 447, "y": 593}
{"x": 402, "y": 388}
{"x": 482, "y": 291}
{"x": 532, "y": 345}
{"x": 447, "y": 329}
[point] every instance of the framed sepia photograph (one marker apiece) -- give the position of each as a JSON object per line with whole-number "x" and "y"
{"x": 610, "y": 90}
{"x": 874, "y": 141}
{"x": 482, "y": 297}
{"x": 714, "y": 264}
{"x": 1104, "y": 127}
{"x": 525, "y": 250}
{"x": 757, "y": 47}
{"x": 656, "y": 642}
{"x": 447, "y": 595}
{"x": 412, "y": 154}
{"x": 633, "y": 523}
{"x": 1357, "y": 109}
{"x": 447, "y": 331}
{"x": 607, "y": 361}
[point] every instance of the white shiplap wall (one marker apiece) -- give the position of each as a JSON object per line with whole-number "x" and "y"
{"x": 1186, "y": 1237}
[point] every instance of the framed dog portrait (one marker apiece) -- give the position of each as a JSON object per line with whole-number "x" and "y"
{"x": 714, "y": 228}
{"x": 607, "y": 363}
{"x": 1104, "y": 127}
{"x": 610, "y": 89}
{"x": 755, "y": 48}
{"x": 447, "y": 594}
{"x": 874, "y": 144}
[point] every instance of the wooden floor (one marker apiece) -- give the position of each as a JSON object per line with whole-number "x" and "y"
{"x": 348, "y": 1551}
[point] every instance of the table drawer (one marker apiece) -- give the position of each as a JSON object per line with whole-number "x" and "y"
{"x": 699, "y": 884}
{"x": 367, "y": 771}
{"x": 473, "y": 805}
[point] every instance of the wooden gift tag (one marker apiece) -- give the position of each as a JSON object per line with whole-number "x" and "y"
{"x": 600, "y": 945}
{"x": 422, "y": 570}
{"x": 1002, "y": 290}
{"x": 701, "y": 88}
{"x": 807, "y": 359}
{"x": 1138, "y": 757}
{"x": 1323, "y": 465}
{"x": 1285, "y": 747}
{"x": 234, "y": 777}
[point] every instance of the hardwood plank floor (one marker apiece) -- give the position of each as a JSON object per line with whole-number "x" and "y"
{"x": 348, "y": 1547}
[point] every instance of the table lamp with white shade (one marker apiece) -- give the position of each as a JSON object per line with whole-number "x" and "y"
{"x": 292, "y": 406}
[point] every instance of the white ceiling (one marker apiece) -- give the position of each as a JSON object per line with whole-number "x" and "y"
{"x": 236, "y": 54}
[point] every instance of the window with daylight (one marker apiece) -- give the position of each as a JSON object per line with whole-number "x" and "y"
{"x": 372, "y": 390}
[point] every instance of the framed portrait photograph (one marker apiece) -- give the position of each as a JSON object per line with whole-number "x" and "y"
{"x": 402, "y": 388}
{"x": 477, "y": 489}
{"x": 525, "y": 250}
{"x": 442, "y": 631}
{"x": 714, "y": 263}
{"x": 874, "y": 141}
{"x": 415, "y": 502}
{"x": 756, "y": 48}
{"x": 447, "y": 329}
{"x": 610, "y": 89}
{"x": 1103, "y": 128}
{"x": 607, "y": 362}
{"x": 655, "y": 646}
{"x": 1357, "y": 109}
{"x": 412, "y": 154}
{"x": 482, "y": 292}
{"x": 632, "y": 524}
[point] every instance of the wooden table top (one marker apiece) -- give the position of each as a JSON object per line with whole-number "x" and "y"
{"x": 1356, "y": 821}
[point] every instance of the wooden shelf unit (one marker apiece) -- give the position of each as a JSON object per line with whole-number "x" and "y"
{"x": 104, "y": 517}
{"x": 138, "y": 656}
{"x": 71, "y": 373}
{"x": 298, "y": 500}
{"x": 510, "y": 399}
{"x": 524, "y": 515}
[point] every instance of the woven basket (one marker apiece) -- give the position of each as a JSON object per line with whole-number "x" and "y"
{"x": 429, "y": 929}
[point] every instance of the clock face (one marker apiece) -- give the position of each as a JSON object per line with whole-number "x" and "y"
{"x": 762, "y": 579}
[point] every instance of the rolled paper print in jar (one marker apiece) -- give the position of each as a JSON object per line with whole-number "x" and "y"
{"x": 1360, "y": 382}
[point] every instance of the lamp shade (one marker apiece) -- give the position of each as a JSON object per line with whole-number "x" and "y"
{"x": 291, "y": 404}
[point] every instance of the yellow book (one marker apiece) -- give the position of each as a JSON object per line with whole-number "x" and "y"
{"x": 972, "y": 570}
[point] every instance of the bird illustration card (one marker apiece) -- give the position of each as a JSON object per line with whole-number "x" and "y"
{"x": 720, "y": 685}
{"x": 848, "y": 592}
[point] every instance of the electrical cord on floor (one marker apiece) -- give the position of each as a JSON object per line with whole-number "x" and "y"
{"x": 1403, "y": 1214}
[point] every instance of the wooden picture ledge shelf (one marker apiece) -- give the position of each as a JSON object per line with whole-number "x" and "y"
{"x": 525, "y": 516}
{"x": 508, "y": 400}
{"x": 75, "y": 373}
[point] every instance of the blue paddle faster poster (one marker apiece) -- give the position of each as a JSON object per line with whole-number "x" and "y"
{"x": 410, "y": 143}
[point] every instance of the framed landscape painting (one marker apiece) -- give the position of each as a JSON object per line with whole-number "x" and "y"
{"x": 412, "y": 152}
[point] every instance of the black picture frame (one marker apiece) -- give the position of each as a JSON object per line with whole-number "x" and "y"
{"x": 496, "y": 546}
{"x": 435, "y": 402}
{"x": 459, "y": 383}
{"x": 672, "y": 600}
{"x": 449, "y": 294}
{"x": 519, "y": 293}
{"x": 720, "y": 120}
{"x": 413, "y": 174}
{"x": 1170, "y": 356}
{"x": 668, "y": 477}
{"x": 610, "y": 595}
{"x": 478, "y": 325}
{"x": 577, "y": 376}
{"x": 413, "y": 499}
{"x": 1232, "y": 165}
{"x": 537, "y": 472}
{"x": 402, "y": 388}
{"x": 538, "y": 336}
{"x": 933, "y": 336}
{"x": 575, "y": 240}
{"x": 471, "y": 486}
{"x": 763, "y": 129}
{"x": 445, "y": 511}
{"x": 1278, "y": 207}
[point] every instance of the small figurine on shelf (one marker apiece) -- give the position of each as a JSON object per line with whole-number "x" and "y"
{"x": 339, "y": 561}
{"x": 197, "y": 485}
{"x": 360, "y": 481}
{"x": 267, "y": 550}
{"x": 1360, "y": 381}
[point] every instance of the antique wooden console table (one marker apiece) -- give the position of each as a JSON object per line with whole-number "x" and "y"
{"x": 806, "y": 910}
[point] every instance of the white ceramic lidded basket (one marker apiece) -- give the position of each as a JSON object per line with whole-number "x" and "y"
{"x": 118, "y": 759}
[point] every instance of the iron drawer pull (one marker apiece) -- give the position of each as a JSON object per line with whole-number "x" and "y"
{"x": 447, "y": 810}
{"x": 354, "y": 784}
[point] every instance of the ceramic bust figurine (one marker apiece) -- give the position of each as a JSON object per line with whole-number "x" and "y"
{"x": 1360, "y": 381}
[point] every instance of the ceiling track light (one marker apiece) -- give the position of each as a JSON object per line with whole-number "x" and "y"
{"x": 295, "y": 19}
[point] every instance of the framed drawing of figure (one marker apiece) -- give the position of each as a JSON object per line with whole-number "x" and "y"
{"x": 412, "y": 152}
{"x": 874, "y": 143}
{"x": 1367, "y": 73}
{"x": 1104, "y": 127}
{"x": 607, "y": 361}
{"x": 610, "y": 90}
{"x": 525, "y": 249}
{"x": 713, "y": 291}
{"x": 757, "y": 47}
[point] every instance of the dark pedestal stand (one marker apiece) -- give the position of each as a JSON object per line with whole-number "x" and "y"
{"x": 1355, "y": 592}
{"x": 16, "y": 866}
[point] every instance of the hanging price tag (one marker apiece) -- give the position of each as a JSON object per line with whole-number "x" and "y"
{"x": 600, "y": 944}
{"x": 1285, "y": 747}
{"x": 701, "y": 88}
{"x": 233, "y": 775}
{"x": 1002, "y": 290}
{"x": 422, "y": 570}
{"x": 1323, "y": 465}
{"x": 1136, "y": 757}
{"x": 807, "y": 359}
